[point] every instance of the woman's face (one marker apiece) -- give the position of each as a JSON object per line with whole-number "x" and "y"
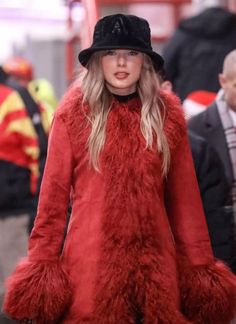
{"x": 121, "y": 69}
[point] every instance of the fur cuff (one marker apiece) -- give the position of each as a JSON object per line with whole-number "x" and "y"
{"x": 209, "y": 294}
{"x": 38, "y": 290}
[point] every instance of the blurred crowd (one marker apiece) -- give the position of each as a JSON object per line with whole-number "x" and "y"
{"x": 200, "y": 67}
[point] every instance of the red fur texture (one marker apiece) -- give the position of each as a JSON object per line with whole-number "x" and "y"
{"x": 136, "y": 275}
{"x": 134, "y": 283}
{"x": 53, "y": 296}
{"x": 175, "y": 125}
{"x": 208, "y": 294}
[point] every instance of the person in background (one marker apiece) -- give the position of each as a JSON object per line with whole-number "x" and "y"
{"x": 137, "y": 249}
{"x": 197, "y": 101}
{"x": 214, "y": 191}
{"x": 20, "y": 76}
{"x": 23, "y": 145}
{"x": 20, "y": 69}
{"x": 217, "y": 124}
{"x": 195, "y": 53}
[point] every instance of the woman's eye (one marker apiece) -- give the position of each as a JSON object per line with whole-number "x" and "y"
{"x": 133, "y": 53}
{"x": 110, "y": 52}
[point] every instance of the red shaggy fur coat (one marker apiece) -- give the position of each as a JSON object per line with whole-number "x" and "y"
{"x": 137, "y": 247}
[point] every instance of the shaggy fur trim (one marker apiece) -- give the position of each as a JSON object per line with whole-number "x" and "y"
{"x": 209, "y": 294}
{"x": 37, "y": 290}
{"x": 175, "y": 125}
{"x": 134, "y": 280}
{"x": 75, "y": 116}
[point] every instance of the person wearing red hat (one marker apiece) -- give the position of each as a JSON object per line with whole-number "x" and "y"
{"x": 19, "y": 68}
{"x": 137, "y": 249}
{"x": 197, "y": 101}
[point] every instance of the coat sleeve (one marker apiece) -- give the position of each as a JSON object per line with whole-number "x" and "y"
{"x": 39, "y": 288}
{"x": 48, "y": 233}
{"x": 208, "y": 289}
{"x": 184, "y": 207}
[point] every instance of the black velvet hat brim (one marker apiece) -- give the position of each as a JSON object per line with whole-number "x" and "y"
{"x": 85, "y": 55}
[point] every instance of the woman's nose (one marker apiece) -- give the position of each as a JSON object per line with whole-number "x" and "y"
{"x": 121, "y": 59}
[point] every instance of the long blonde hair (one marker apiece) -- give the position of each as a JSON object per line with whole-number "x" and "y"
{"x": 96, "y": 95}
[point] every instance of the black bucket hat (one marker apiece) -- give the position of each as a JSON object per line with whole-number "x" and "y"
{"x": 122, "y": 32}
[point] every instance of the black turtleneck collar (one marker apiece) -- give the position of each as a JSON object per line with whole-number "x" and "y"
{"x": 125, "y": 98}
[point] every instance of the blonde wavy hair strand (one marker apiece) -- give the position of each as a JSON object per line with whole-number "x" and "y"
{"x": 98, "y": 98}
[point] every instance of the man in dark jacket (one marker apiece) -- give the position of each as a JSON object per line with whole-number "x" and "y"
{"x": 214, "y": 191}
{"x": 217, "y": 125}
{"x": 195, "y": 53}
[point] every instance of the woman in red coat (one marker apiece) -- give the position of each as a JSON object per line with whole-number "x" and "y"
{"x": 137, "y": 248}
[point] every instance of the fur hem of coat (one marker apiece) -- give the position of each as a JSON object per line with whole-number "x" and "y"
{"x": 51, "y": 283}
{"x": 208, "y": 294}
